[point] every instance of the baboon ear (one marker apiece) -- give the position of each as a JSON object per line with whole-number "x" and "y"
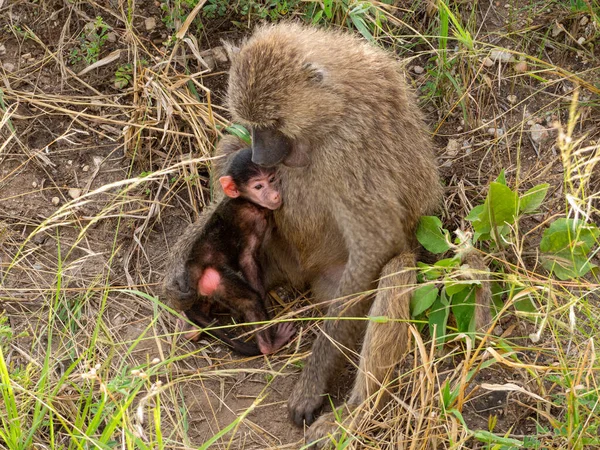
{"x": 314, "y": 72}
{"x": 229, "y": 186}
{"x": 231, "y": 50}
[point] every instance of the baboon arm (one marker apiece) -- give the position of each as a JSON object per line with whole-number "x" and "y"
{"x": 326, "y": 359}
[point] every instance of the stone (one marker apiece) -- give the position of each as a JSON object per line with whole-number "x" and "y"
{"x": 453, "y": 147}
{"x": 512, "y": 99}
{"x": 111, "y": 37}
{"x": 496, "y": 132}
{"x": 487, "y": 62}
{"x": 556, "y": 29}
{"x": 501, "y": 56}
{"x": 8, "y": 67}
{"x": 2, "y": 49}
{"x": 55, "y": 201}
{"x": 85, "y": 168}
{"x": 74, "y": 193}
{"x": 418, "y": 70}
{"x": 521, "y": 67}
{"x": 150, "y": 23}
{"x": 538, "y": 133}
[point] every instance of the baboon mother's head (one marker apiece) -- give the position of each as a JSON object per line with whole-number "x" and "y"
{"x": 278, "y": 88}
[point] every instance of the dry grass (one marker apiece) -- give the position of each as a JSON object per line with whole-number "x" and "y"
{"x": 96, "y": 183}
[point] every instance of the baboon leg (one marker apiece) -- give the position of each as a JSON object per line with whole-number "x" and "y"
{"x": 326, "y": 359}
{"x": 385, "y": 343}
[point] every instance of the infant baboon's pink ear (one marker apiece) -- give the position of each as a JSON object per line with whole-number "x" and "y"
{"x": 229, "y": 186}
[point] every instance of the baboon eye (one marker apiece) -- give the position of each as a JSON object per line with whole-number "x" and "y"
{"x": 272, "y": 179}
{"x": 258, "y": 187}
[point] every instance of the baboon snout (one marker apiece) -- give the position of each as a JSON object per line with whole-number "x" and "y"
{"x": 269, "y": 146}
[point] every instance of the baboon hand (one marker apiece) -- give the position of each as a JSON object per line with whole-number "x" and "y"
{"x": 178, "y": 291}
{"x": 304, "y": 402}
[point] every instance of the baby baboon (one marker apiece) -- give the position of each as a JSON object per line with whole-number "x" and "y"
{"x": 229, "y": 243}
{"x": 340, "y": 108}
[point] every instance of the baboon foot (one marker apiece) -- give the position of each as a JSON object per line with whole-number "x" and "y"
{"x": 304, "y": 402}
{"x": 320, "y": 433}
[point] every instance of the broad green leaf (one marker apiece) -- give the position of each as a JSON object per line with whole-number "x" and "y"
{"x": 499, "y": 209}
{"x": 563, "y": 234}
{"x": 533, "y": 198}
{"x": 454, "y": 287}
{"x": 427, "y": 272}
{"x": 566, "y": 245}
{"x": 448, "y": 262}
{"x": 501, "y": 204}
{"x": 524, "y": 303}
{"x": 438, "y": 317}
{"x": 422, "y": 299}
{"x": 463, "y": 308}
{"x": 567, "y": 268}
{"x": 501, "y": 178}
{"x": 475, "y": 213}
{"x": 431, "y": 235}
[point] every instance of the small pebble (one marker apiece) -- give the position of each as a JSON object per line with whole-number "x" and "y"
{"x": 2, "y": 50}
{"x": 581, "y": 40}
{"x": 85, "y": 168}
{"x": 496, "y": 132}
{"x": 538, "y": 133}
{"x": 418, "y": 70}
{"x": 26, "y": 56}
{"x": 111, "y": 37}
{"x": 55, "y": 201}
{"x": 584, "y": 20}
{"x": 521, "y": 67}
{"x": 34, "y": 184}
{"x": 512, "y": 99}
{"x": 453, "y": 147}
{"x": 556, "y": 29}
{"x": 8, "y": 67}
{"x": 74, "y": 193}
{"x": 150, "y": 23}
{"x": 501, "y": 56}
{"x": 487, "y": 62}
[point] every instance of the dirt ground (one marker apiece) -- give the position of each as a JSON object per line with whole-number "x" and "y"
{"x": 80, "y": 134}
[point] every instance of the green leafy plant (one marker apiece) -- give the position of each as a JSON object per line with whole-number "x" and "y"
{"x": 568, "y": 246}
{"x": 123, "y": 75}
{"x": 502, "y": 207}
{"x": 90, "y": 42}
{"x": 446, "y": 285}
{"x": 364, "y": 16}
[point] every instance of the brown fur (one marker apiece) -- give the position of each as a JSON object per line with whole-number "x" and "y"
{"x": 372, "y": 172}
